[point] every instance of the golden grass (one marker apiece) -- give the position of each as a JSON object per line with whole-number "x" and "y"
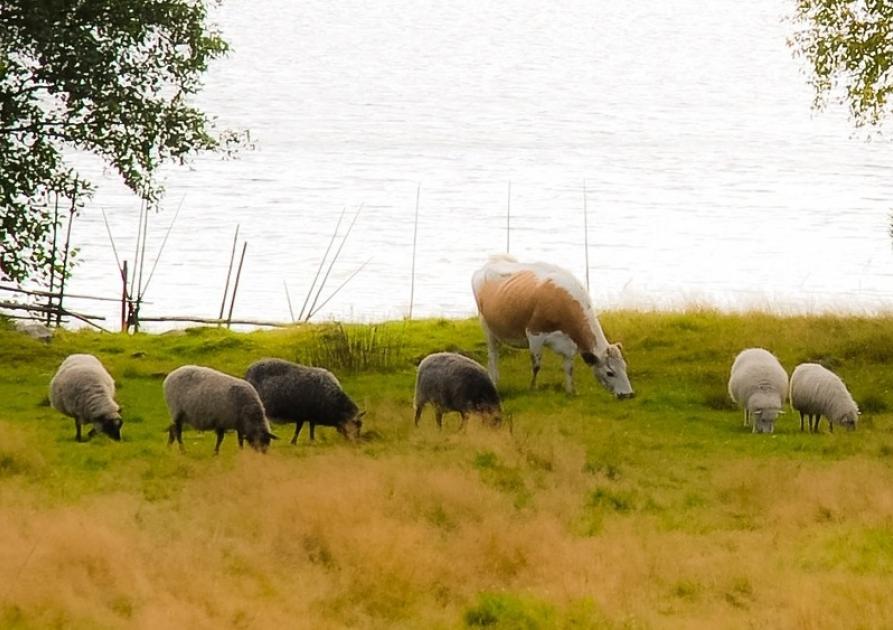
{"x": 335, "y": 540}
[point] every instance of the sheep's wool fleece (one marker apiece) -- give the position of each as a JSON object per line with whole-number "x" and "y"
{"x": 82, "y": 388}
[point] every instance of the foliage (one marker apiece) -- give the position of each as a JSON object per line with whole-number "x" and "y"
{"x": 849, "y": 45}
{"x": 108, "y": 77}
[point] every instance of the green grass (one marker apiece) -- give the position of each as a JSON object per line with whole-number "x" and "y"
{"x": 661, "y": 511}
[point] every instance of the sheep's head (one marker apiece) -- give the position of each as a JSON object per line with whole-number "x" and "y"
{"x": 849, "y": 420}
{"x": 111, "y": 425}
{"x": 764, "y": 419}
{"x": 260, "y": 440}
{"x": 351, "y": 428}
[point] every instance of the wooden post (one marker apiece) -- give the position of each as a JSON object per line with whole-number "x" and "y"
{"x": 53, "y": 257}
{"x": 508, "y": 219}
{"x": 586, "y": 233}
{"x": 415, "y": 233}
{"x": 229, "y": 272}
{"x": 65, "y": 257}
{"x": 232, "y": 303}
{"x": 124, "y": 325}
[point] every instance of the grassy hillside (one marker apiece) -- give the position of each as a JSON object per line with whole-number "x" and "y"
{"x": 662, "y": 511}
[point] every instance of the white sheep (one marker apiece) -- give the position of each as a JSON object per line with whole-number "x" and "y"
{"x": 84, "y": 390}
{"x": 759, "y": 384}
{"x": 209, "y": 400}
{"x": 816, "y": 392}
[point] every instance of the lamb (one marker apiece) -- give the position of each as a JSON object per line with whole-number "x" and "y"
{"x": 84, "y": 390}
{"x": 297, "y": 393}
{"x": 758, "y": 383}
{"x": 452, "y": 382}
{"x": 817, "y": 391}
{"x": 210, "y": 400}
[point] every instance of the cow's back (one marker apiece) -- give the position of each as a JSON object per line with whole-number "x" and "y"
{"x": 506, "y": 301}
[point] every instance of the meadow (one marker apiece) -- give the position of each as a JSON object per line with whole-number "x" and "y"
{"x": 661, "y": 511}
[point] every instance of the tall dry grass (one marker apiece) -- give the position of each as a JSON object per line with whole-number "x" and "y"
{"x": 334, "y": 540}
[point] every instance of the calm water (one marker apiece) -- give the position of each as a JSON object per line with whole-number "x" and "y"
{"x": 709, "y": 179}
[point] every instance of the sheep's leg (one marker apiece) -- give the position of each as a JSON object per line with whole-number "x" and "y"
{"x": 171, "y": 434}
{"x": 830, "y": 425}
{"x": 179, "y": 428}
{"x": 312, "y": 431}
{"x": 438, "y": 417}
{"x": 77, "y": 430}
{"x": 298, "y": 425}
{"x": 801, "y": 421}
{"x": 219, "y": 440}
{"x": 418, "y": 413}
{"x": 746, "y": 418}
{"x": 463, "y": 421}
{"x": 241, "y": 438}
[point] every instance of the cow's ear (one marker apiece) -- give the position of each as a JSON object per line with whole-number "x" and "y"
{"x": 589, "y": 358}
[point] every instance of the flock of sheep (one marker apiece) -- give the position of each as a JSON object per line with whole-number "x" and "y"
{"x": 759, "y": 384}
{"x": 530, "y": 305}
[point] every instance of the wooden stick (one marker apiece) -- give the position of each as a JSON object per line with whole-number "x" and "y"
{"x": 232, "y": 302}
{"x": 124, "y": 298}
{"x": 65, "y": 257}
{"x": 214, "y": 320}
{"x": 415, "y": 233}
{"x": 321, "y": 263}
{"x": 340, "y": 286}
{"x": 71, "y": 295}
{"x": 229, "y": 271}
{"x": 161, "y": 249}
{"x": 136, "y": 249}
{"x": 333, "y": 261}
{"x": 508, "y": 218}
{"x": 108, "y": 230}
{"x": 53, "y": 255}
{"x": 291, "y": 312}
{"x": 40, "y": 308}
{"x": 138, "y": 287}
{"x": 586, "y": 233}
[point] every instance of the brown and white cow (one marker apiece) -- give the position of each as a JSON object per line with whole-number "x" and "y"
{"x": 536, "y": 305}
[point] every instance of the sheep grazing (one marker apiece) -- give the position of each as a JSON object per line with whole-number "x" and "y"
{"x": 207, "y": 400}
{"x": 84, "y": 390}
{"x": 759, "y": 384}
{"x": 816, "y": 392}
{"x": 298, "y": 393}
{"x": 452, "y": 382}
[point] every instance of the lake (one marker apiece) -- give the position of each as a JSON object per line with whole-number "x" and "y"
{"x": 708, "y": 178}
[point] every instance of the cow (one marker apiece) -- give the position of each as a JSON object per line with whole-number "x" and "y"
{"x": 535, "y": 305}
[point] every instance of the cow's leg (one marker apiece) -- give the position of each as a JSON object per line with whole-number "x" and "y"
{"x": 564, "y": 346}
{"x": 536, "y": 343}
{"x": 492, "y": 352}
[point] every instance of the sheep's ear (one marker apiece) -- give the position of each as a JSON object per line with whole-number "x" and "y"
{"x": 361, "y": 414}
{"x": 272, "y": 436}
{"x": 758, "y": 412}
{"x": 619, "y": 346}
{"x": 119, "y": 422}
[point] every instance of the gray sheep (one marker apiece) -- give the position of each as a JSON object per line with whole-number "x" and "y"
{"x": 299, "y": 393}
{"x": 84, "y": 390}
{"x": 816, "y": 392}
{"x": 452, "y": 382}
{"x": 208, "y": 400}
{"x": 759, "y": 384}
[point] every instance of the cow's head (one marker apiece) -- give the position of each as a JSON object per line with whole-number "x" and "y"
{"x": 610, "y": 370}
